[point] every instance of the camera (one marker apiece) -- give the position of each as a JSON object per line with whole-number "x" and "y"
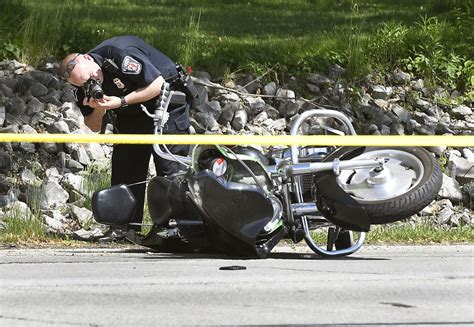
{"x": 93, "y": 89}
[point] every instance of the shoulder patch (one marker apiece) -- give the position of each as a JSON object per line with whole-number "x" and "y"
{"x": 131, "y": 66}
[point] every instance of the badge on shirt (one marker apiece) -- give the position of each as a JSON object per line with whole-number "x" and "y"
{"x": 118, "y": 83}
{"x": 131, "y": 66}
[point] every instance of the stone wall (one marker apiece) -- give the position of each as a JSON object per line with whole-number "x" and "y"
{"x": 37, "y": 101}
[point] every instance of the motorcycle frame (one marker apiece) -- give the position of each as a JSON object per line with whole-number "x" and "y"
{"x": 289, "y": 172}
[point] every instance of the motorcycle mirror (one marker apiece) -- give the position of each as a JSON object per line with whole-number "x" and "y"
{"x": 114, "y": 205}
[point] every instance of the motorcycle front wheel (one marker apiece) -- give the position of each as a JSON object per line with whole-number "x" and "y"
{"x": 409, "y": 181}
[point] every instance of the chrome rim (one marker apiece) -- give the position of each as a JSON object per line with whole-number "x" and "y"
{"x": 401, "y": 173}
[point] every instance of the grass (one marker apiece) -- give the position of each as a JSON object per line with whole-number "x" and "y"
{"x": 219, "y": 36}
{"x": 96, "y": 177}
{"x": 17, "y": 228}
{"x": 425, "y": 233}
{"x": 409, "y": 233}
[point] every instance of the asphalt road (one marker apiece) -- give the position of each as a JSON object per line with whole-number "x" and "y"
{"x": 394, "y": 286}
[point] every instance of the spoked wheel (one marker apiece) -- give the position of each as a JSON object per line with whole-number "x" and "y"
{"x": 409, "y": 181}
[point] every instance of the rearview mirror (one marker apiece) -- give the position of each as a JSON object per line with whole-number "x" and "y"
{"x": 114, "y": 205}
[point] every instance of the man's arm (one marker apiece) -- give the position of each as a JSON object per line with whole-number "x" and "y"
{"x": 138, "y": 96}
{"x": 94, "y": 120}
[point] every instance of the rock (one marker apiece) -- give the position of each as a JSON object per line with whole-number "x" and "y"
{"x": 38, "y": 90}
{"x": 271, "y": 112}
{"x": 278, "y": 125}
{"x": 461, "y": 111}
{"x": 256, "y": 104}
{"x": 418, "y": 85}
{"x": 83, "y": 215}
{"x": 27, "y": 147}
{"x": 228, "y": 112}
{"x": 2, "y": 115}
{"x": 74, "y": 182}
{"x": 288, "y": 108}
{"x": 336, "y": 72}
{"x": 47, "y": 79}
{"x": 468, "y": 154}
{"x": 260, "y": 118}
{"x": 85, "y": 235}
{"x": 202, "y": 75}
{"x": 60, "y": 127}
{"x": 94, "y": 151}
{"x": 52, "y": 223}
{"x": 6, "y": 91}
{"x": 400, "y": 77}
{"x": 422, "y": 105}
{"x": 383, "y": 104}
{"x": 5, "y": 185}
{"x": 15, "y": 106}
{"x": 28, "y": 177}
{"x": 225, "y": 96}
{"x": 206, "y": 120}
{"x": 18, "y": 209}
{"x": 437, "y": 150}
{"x": 313, "y": 88}
{"x": 384, "y": 130}
{"x": 319, "y": 80}
{"x": 34, "y": 106}
{"x": 8, "y": 198}
{"x": 240, "y": 120}
{"x": 52, "y": 194}
{"x": 270, "y": 89}
{"x": 214, "y": 107}
{"x": 52, "y": 148}
{"x": 80, "y": 155}
{"x": 450, "y": 189}
{"x": 250, "y": 82}
{"x": 444, "y": 215}
{"x": 74, "y": 166}
{"x": 464, "y": 168}
{"x": 381, "y": 92}
{"x": 285, "y": 94}
{"x": 397, "y": 129}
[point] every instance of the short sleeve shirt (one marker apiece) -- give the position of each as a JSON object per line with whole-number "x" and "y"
{"x": 138, "y": 65}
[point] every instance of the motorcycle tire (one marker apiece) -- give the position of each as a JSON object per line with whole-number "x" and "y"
{"x": 414, "y": 182}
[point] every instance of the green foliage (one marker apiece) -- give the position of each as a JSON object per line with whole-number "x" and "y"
{"x": 432, "y": 57}
{"x": 216, "y": 36}
{"x": 388, "y": 45}
{"x": 97, "y": 177}
{"x": 422, "y": 233}
{"x": 18, "y": 228}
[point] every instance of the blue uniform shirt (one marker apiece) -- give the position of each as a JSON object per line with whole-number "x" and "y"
{"x": 138, "y": 63}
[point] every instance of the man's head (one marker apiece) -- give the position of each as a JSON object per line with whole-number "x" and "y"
{"x": 78, "y": 68}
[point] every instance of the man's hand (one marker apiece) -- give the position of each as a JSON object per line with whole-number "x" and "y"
{"x": 106, "y": 103}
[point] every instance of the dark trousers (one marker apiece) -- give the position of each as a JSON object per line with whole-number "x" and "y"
{"x": 130, "y": 161}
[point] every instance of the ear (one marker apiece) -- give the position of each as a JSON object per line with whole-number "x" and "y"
{"x": 88, "y": 57}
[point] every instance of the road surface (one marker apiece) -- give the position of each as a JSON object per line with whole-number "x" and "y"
{"x": 379, "y": 285}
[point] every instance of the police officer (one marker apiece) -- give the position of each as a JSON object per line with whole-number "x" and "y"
{"x": 131, "y": 72}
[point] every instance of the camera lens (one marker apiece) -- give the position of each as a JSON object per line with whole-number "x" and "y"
{"x": 92, "y": 89}
{"x": 97, "y": 92}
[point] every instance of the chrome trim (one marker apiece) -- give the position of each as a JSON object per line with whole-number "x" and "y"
{"x": 322, "y": 252}
{"x": 304, "y": 208}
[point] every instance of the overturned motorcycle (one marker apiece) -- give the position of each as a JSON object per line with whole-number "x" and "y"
{"x": 238, "y": 201}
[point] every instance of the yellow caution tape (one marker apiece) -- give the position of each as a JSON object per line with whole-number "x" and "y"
{"x": 359, "y": 140}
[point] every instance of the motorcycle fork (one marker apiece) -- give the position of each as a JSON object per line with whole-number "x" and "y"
{"x": 295, "y": 231}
